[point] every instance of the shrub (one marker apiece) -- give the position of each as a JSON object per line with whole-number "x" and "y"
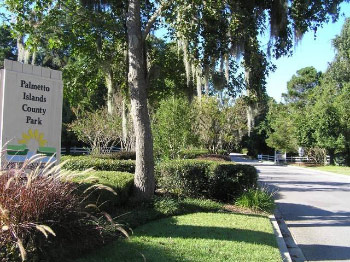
{"x": 167, "y": 206}
{"x": 228, "y": 180}
{"x": 86, "y": 162}
{"x": 183, "y": 177}
{"x": 192, "y": 153}
{"x": 120, "y": 182}
{"x": 40, "y": 214}
{"x": 120, "y": 155}
{"x": 215, "y": 157}
{"x": 172, "y": 128}
{"x": 257, "y": 199}
{"x": 198, "y": 178}
{"x": 98, "y": 129}
{"x": 340, "y": 159}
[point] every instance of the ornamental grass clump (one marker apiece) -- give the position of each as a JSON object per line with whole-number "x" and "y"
{"x": 258, "y": 199}
{"x": 41, "y": 216}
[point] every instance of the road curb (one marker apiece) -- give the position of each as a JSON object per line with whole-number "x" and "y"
{"x": 294, "y": 252}
{"x": 280, "y": 240}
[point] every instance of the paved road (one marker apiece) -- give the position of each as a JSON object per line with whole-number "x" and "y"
{"x": 315, "y": 206}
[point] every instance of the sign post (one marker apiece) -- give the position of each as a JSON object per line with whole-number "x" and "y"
{"x": 30, "y": 112}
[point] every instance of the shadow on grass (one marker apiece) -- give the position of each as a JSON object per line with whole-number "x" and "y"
{"x": 168, "y": 228}
{"x": 167, "y": 241}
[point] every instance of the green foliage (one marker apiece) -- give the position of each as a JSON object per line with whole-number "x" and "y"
{"x": 86, "y": 162}
{"x": 326, "y": 123}
{"x": 257, "y": 199}
{"x": 84, "y": 87}
{"x": 167, "y": 205}
{"x": 98, "y": 129}
{"x": 215, "y": 157}
{"x": 96, "y": 183}
{"x": 166, "y": 73}
{"x": 192, "y": 153}
{"x": 120, "y": 155}
{"x": 227, "y": 181}
{"x": 339, "y": 70}
{"x": 184, "y": 177}
{"x": 7, "y": 44}
{"x": 301, "y": 84}
{"x": 199, "y": 178}
{"x": 280, "y": 128}
{"x": 172, "y": 128}
{"x": 209, "y": 123}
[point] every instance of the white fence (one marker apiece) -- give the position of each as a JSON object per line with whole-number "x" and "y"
{"x": 294, "y": 159}
{"x": 85, "y": 150}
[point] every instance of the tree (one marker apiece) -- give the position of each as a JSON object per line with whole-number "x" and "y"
{"x": 280, "y": 128}
{"x": 172, "y": 128}
{"x": 211, "y": 32}
{"x": 98, "y": 129}
{"x": 326, "y": 123}
{"x": 7, "y": 44}
{"x": 301, "y": 84}
{"x": 210, "y": 123}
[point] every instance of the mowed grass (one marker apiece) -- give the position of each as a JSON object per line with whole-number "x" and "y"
{"x": 199, "y": 237}
{"x": 345, "y": 170}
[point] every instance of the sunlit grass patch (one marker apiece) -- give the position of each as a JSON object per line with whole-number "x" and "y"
{"x": 205, "y": 237}
{"x": 345, "y": 170}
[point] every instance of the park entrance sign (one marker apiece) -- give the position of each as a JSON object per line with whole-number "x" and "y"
{"x": 30, "y": 112}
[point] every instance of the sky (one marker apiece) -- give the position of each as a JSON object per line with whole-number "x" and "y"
{"x": 317, "y": 52}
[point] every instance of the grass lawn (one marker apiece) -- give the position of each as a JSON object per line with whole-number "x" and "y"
{"x": 345, "y": 170}
{"x": 198, "y": 237}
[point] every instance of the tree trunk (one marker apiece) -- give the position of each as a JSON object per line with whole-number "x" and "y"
{"x": 206, "y": 79}
{"x": 227, "y": 68}
{"x": 250, "y": 118}
{"x": 20, "y": 49}
{"x": 144, "y": 183}
{"x": 250, "y": 109}
{"x": 110, "y": 90}
{"x": 124, "y": 124}
{"x": 33, "y": 58}
{"x": 199, "y": 83}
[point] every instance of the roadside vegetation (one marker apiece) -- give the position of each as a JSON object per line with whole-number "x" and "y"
{"x": 315, "y": 111}
{"x": 344, "y": 170}
{"x": 207, "y": 237}
{"x": 44, "y": 214}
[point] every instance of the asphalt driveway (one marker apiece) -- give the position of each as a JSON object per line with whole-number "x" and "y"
{"x": 314, "y": 204}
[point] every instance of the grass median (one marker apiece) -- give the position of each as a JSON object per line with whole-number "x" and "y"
{"x": 205, "y": 237}
{"x": 344, "y": 170}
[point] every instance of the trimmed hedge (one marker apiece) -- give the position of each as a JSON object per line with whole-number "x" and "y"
{"x": 227, "y": 181}
{"x": 120, "y": 155}
{"x": 192, "y": 153}
{"x": 86, "y": 162}
{"x": 215, "y": 157}
{"x": 120, "y": 182}
{"x": 183, "y": 177}
{"x": 198, "y": 178}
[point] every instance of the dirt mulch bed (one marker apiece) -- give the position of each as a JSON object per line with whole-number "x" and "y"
{"x": 242, "y": 210}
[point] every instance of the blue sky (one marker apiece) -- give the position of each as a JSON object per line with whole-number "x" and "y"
{"x": 309, "y": 52}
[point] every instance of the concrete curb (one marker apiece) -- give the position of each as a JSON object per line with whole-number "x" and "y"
{"x": 280, "y": 240}
{"x": 294, "y": 252}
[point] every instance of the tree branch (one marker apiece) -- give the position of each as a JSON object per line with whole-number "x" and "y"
{"x": 163, "y": 6}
